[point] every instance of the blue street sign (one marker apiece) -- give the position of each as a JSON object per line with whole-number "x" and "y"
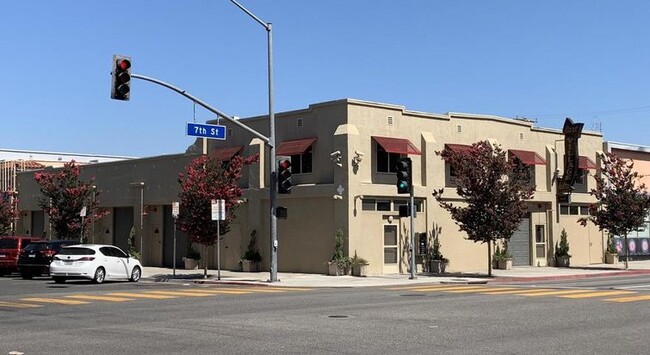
{"x": 210, "y": 131}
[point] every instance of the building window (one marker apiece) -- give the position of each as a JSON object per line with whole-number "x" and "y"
{"x": 368, "y": 204}
{"x": 540, "y": 241}
{"x": 574, "y": 210}
{"x": 301, "y": 163}
{"x": 383, "y": 205}
{"x": 581, "y": 177}
{"x": 386, "y": 162}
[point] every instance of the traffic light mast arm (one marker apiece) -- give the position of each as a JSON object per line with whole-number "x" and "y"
{"x": 204, "y": 105}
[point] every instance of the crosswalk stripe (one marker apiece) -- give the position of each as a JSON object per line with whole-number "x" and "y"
{"x": 264, "y": 289}
{"x": 54, "y": 300}
{"x": 140, "y": 295}
{"x": 18, "y": 305}
{"x": 100, "y": 298}
{"x": 553, "y": 293}
{"x": 448, "y": 288}
{"x": 180, "y": 293}
{"x": 217, "y": 292}
{"x": 598, "y": 294}
{"x": 629, "y": 299}
{"x": 403, "y": 288}
{"x": 480, "y": 290}
{"x": 514, "y": 292}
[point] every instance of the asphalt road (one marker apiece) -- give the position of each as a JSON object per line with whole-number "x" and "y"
{"x": 172, "y": 318}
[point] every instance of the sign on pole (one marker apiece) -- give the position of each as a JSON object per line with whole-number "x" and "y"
{"x": 83, "y": 212}
{"x": 206, "y": 130}
{"x": 218, "y": 209}
{"x": 175, "y": 209}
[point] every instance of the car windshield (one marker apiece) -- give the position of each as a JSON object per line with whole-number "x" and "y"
{"x": 37, "y": 247}
{"x": 76, "y": 251}
{"x": 8, "y": 243}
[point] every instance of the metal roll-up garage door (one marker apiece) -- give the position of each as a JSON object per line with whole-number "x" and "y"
{"x": 519, "y": 245}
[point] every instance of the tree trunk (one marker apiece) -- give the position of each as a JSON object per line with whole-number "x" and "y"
{"x": 627, "y": 251}
{"x": 205, "y": 262}
{"x": 489, "y": 258}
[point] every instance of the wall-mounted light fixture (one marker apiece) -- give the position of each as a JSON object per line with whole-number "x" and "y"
{"x": 336, "y": 158}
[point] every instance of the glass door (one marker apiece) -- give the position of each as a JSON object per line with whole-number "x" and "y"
{"x": 391, "y": 255}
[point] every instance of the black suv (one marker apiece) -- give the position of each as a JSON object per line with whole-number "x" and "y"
{"x": 35, "y": 259}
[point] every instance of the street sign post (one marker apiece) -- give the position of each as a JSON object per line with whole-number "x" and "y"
{"x": 218, "y": 208}
{"x": 176, "y": 207}
{"x": 211, "y": 131}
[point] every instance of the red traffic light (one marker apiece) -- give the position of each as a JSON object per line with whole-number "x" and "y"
{"x": 285, "y": 164}
{"x": 124, "y": 64}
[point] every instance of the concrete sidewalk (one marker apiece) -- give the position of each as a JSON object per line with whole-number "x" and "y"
{"x": 525, "y": 273}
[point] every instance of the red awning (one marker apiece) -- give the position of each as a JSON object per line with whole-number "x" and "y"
{"x": 225, "y": 154}
{"x": 295, "y": 147}
{"x": 397, "y": 145}
{"x": 458, "y": 148}
{"x": 528, "y": 157}
{"x": 586, "y": 163}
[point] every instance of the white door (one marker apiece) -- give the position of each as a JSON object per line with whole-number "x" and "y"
{"x": 391, "y": 250}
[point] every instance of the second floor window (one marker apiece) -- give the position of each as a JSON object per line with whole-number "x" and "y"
{"x": 386, "y": 162}
{"x": 301, "y": 163}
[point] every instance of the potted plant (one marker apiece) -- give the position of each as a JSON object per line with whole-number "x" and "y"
{"x": 437, "y": 262}
{"x": 191, "y": 258}
{"x": 252, "y": 258}
{"x": 338, "y": 264}
{"x": 611, "y": 254}
{"x": 562, "y": 256}
{"x": 359, "y": 265}
{"x": 502, "y": 257}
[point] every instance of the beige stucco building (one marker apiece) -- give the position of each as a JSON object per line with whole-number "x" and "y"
{"x": 343, "y": 155}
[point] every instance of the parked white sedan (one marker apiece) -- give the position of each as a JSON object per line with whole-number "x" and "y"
{"x": 94, "y": 262}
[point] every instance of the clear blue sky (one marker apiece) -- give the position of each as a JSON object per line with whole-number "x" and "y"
{"x": 544, "y": 60}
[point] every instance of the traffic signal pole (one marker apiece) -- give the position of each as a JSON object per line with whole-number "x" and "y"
{"x": 412, "y": 208}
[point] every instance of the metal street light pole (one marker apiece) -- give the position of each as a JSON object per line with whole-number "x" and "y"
{"x": 271, "y": 143}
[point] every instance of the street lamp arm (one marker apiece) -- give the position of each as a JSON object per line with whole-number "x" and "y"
{"x": 267, "y": 26}
{"x": 203, "y": 104}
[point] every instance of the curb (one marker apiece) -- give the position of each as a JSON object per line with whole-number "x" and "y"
{"x": 567, "y": 277}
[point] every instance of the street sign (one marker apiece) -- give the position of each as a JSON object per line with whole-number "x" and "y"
{"x": 175, "y": 209}
{"x": 211, "y": 131}
{"x": 83, "y": 212}
{"x": 218, "y": 209}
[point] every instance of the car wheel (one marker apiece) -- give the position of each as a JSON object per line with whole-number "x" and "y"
{"x": 136, "y": 274}
{"x": 26, "y": 275}
{"x": 58, "y": 279}
{"x": 100, "y": 274}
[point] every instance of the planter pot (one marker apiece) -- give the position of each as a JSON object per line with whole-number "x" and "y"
{"x": 504, "y": 264}
{"x": 250, "y": 266}
{"x": 360, "y": 270}
{"x": 563, "y": 261}
{"x": 334, "y": 270}
{"x": 611, "y": 258}
{"x": 437, "y": 266}
{"x": 191, "y": 264}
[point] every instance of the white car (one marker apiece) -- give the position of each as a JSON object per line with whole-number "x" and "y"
{"x": 94, "y": 262}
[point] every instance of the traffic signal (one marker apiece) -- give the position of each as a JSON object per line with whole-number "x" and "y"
{"x": 284, "y": 176}
{"x": 121, "y": 78}
{"x": 404, "y": 176}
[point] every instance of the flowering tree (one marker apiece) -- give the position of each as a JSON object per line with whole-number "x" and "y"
{"x": 64, "y": 196}
{"x": 8, "y": 212}
{"x": 494, "y": 191}
{"x": 205, "y": 179}
{"x": 622, "y": 204}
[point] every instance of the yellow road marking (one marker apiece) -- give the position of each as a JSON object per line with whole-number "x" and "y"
{"x": 448, "y": 288}
{"x": 402, "y": 288}
{"x": 553, "y": 293}
{"x": 262, "y": 289}
{"x": 481, "y": 290}
{"x": 216, "y": 292}
{"x": 18, "y": 305}
{"x": 598, "y": 294}
{"x": 629, "y": 299}
{"x": 513, "y": 292}
{"x": 54, "y": 300}
{"x": 140, "y": 295}
{"x": 100, "y": 298}
{"x": 180, "y": 293}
